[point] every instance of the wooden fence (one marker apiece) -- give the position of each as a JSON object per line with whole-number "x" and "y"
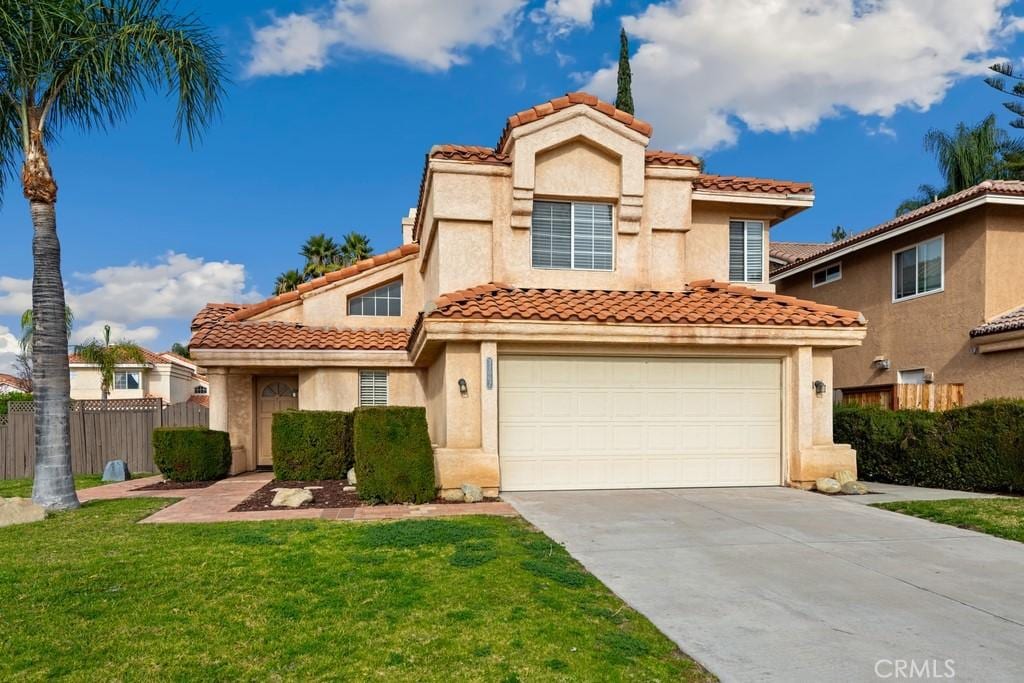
{"x": 933, "y": 397}
{"x": 100, "y": 431}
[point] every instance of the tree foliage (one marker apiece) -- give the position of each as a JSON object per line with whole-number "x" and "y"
{"x": 624, "y": 95}
{"x": 108, "y": 355}
{"x": 324, "y": 255}
{"x": 839, "y": 233}
{"x": 1008, "y": 74}
{"x": 28, "y": 327}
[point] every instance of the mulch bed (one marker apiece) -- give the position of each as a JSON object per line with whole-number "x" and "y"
{"x": 330, "y": 495}
{"x": 168, "y": 485}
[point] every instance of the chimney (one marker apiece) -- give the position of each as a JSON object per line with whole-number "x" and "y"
{"x": 407, "y": 225}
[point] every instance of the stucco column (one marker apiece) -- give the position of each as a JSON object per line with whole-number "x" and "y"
{"x": 812, "y": 453}
{"x": 489, "y": 397}
{"x": 218, "y": 378}
{"x": 803, "y": 396}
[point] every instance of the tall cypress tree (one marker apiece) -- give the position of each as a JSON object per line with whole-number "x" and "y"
{"x": 624, "y": 97}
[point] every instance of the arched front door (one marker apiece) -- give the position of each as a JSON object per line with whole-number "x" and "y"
{"x": 273, "y": 395}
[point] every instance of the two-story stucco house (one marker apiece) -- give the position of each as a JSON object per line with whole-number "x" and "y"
{"x": 160, "y": 375}
{"x": 574, "y": 311}
{"x": 942, "y": 288}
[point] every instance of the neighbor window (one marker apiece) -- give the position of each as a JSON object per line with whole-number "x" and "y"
{"x": 572, "y": 235}
{"x": 746, "y": 251}
{"x": 200, "y": 389}
{"x": 386, "y": 300}
{"x": 827, "y": 274}
{"x": 373, "y": 388}
{"x": 917, "y": 270}
{"x": 127, "y": 380}
{"x": 911, "y": 376}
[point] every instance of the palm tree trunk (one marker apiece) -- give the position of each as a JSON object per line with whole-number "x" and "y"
{"x": 54, "y": 486}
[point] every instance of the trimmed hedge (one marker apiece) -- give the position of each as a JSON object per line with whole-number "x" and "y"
{"x": 312, "y": 444}
{"x": 191, "y": 453}
{"x": 394, "y": 458}
{"x": 975, "y": 448}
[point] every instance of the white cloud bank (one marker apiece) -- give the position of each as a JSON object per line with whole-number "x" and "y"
{"x": 561, "y": 17}
{"x": 10, "y": 347}
{"x": 430, "y": 34}
{"x": 703, "y": 67}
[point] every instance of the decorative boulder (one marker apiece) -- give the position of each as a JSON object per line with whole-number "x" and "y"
{"x": 20, "y": 511}
{"x": 291, "y": 498}
{"x": 116, "y": 470}
{"x": 351, "y": 476}
{"x": 854, "y": 488}
{"x": 827, "y": 485}
{"x": 843, "y": 476}
{"x": 472, "y": 493}
{"x": 453, "y": 495}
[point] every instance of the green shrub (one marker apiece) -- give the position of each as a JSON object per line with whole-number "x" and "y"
{"x": 312, "y": 444}
{"x": 191, "y": 453}
{"x": 394, "y": 459}
{"x": 12, "y": 396}
{"x": 974, "y": 448}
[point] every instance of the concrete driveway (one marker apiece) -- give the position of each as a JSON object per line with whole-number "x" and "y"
{"x": 780, "y": 584}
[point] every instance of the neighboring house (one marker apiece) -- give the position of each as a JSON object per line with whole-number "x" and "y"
{"x": 10, "y": 384}
{"x": 162, "y": 375}
{"x": 942, "y": 288}
{"x": 572, "y": 309}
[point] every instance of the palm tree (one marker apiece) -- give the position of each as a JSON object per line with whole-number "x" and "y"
{"x": 28, "y": 327}
{"x": 288, "y": 281}
{"x": 83, "y": 64}
{"x": 968, "y": 156}
{"x": 355, "y": 247}
{"x": 108, "y": 356}
{"x": 321, "y": 253}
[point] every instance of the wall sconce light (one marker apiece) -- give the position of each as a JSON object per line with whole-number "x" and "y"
{"x": 463, "y": 387}
{"x": 819, "y": 387}
{"x": 880, "y": 363}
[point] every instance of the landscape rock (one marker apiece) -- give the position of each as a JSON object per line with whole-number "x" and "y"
{"x": 20, "y": 511}
{"x": 827, "y": 485}
{"x": 116, "y": 470}
{"x": 854, "y": 488}
{"x": 312, "y": 488}
{"x": 472, "y": 493}
{"x": 843, "y": 476}
{"x": 351, "y": 476}
{"x": 453, "y": 495}
{"x": 291, "y": 498}
{"x": 348, "y": 489}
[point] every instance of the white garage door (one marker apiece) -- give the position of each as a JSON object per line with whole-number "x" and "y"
{"x": 575, "y": 422}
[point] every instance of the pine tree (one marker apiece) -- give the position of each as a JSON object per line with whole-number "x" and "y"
{"x": 839, "y": 233}
{"x": 624, "y": 97}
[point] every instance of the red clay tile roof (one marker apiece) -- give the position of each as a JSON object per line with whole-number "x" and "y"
{"x": 569, "y": 99}
{"x": 200, "y": 400}
{"x": 1014, "y": 188}
{"x": 1007, "y": 322}
{"x": 485, "y": 155}
{"x": 658, "y": 157}
{"x": 294, "y": 336}
{"x": 16, "y": 382}
{"x": 212, "y": 313}
{"x": 730, "y": 183}
{"x": 794, "y": 251}
{"x": 250, "y": 310}
{"x": 704, "y": 303}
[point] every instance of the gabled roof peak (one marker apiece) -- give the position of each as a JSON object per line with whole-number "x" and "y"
{"x": 539, "y": 111}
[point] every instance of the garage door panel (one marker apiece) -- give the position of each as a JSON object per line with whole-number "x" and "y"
{"x": 593, "y": 422}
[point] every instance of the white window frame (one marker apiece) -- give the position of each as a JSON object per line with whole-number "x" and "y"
{"x": 825, "y": 269}
{"x": 764, "y": 250}
{"x": 923, "y": 371}
{"x": 373, "y": 374}
{"x": 200, "y": 389}
{"x": 401, "y": 296}
{"x": 125, "y": 373}
{"x": 942, "y": 268}
{"x": 572, "y": 236}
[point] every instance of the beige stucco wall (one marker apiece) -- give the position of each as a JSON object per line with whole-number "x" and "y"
{"x": 338, "y": 388}
{"x": 983, "y": 277}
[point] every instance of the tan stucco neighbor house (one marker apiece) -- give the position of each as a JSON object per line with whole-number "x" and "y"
{"x": 573, "y": 309}
{"x": 942, "y": 288}
{"x": 166, "y": 376}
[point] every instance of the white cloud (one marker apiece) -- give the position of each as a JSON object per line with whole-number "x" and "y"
{"x": 429, "y": 34}
{"x": 705, "y": 67}
{"x": 560, "y": 17}
{"x": 882, "y": 129}
{"x": 15, "y": 295}
{"x": 9, "y": 350}
{"x": 94, "y": 330}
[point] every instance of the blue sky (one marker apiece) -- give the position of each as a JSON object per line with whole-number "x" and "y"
{"x": 334, "y": 103}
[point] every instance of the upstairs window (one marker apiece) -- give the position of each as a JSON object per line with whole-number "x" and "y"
{"x": 917, "y": 270}
{"x": 572, "y": 235}
{"x": 386, "y": 300}
{"x": 373, "y": 388}
{"x": 127, "y": 380}
{"x": 827, "y": 274}
{"x": 746, "y": 251}
{"x": 200, "y": 389}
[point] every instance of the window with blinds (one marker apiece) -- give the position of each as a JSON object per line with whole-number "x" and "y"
{"x": 373, "y": 387}
{"x": 746, "y": 251}
{"x": 572, "y": 235}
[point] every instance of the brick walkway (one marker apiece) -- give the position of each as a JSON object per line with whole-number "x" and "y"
{"x": 213, "y": 503}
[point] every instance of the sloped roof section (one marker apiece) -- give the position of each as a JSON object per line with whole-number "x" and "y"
{"x": 214, "y": 313}
{"x": 658, "y": 157}
{"x": 16, "y": 382}
{"x": 258, "y": 335}
{"x": 731, "y": 183}
{"x": 1012, "y": 188}
{"x": 485, "y": 155}
{"x": 794, "y": 251}
{"x": 550, "y": 107}
{"x": 704, "y": 303}
{"x": 1007, "y": 322}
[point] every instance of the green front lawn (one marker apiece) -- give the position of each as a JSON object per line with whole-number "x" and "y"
{"x": 22, "y": 488}
{"x": 90, "y": 595}
{"x": 1003, "y": 517}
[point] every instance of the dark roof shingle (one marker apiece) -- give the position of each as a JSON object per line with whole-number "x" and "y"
{"x": 1007, "y": 322}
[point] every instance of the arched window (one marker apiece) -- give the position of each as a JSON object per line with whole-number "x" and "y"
{"x": 200, "y": 389}
{"x": 386, "y": 300}
{"x": 276, "y": 389}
